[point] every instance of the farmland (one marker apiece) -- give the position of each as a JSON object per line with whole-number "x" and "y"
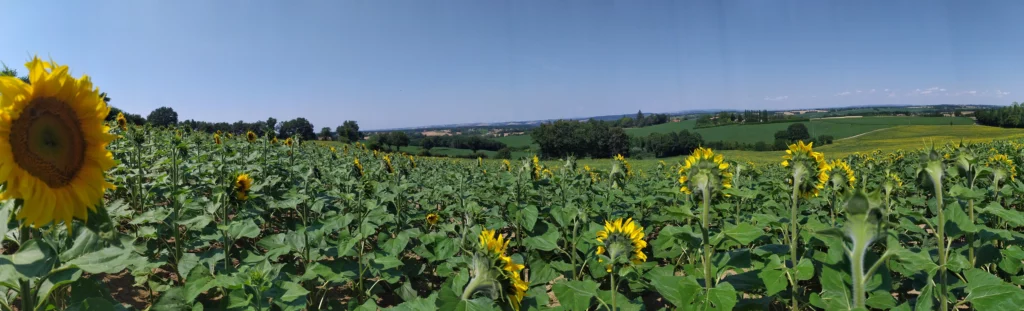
{"x": 836, "y": 127}
{"x": 331, "y": 229}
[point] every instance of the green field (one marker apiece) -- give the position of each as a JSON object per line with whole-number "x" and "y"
{"x": 836, "y": 127}
{"x": 517, "y": 141}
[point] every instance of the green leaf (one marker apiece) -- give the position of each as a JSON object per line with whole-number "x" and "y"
{"x": 722, "y": 296}
{"x": 957, "y": 222}
{"x": 530, "y": 214}
{"x": 293, "y": 291}
{"x": 33, "y": 260}
{"x": 996, "y": 297}
{"x": 243, "y": 229}
{"x": 93, "y": 304}
{"x": 417, "y": 304}
{"x": 774, "y": 276}
{"x": 881, "y": 300}
{"x": 384, "y": 263}
{"x": 107, "y": 260}
{"x": 546, "y": 242}
{"x": 680, "y": 291}
{"x": 172, "y": 300}
{"x": 743, "y": 233}
{"x": 575, "y": 295}
{"x": 1015, "y": 218}
{"x": 86, "y": 241}
{"x": 55, "y": 280}
{"x": 804, "y": 270}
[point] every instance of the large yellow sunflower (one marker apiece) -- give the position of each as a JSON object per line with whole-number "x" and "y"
{"x": 122, "y": 122}
{"x": 844, "y": 175}
{"x": 494, "y": 246}
{"x": 809, "y": 166}
{"x": 53, "y": 144}
{"x": 704, "y": 169}
{"x": 242, "y": 185}
{"x": 620, "y": 238}
{"x": 251, "y": 137}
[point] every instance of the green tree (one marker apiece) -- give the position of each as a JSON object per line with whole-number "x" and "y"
{"x": 325, "y": 134}
{"x": 350, "y": 130}
{"x": 298, "y": 126}
{"x": 399, "y": 139}
{"x": 798, "y": 131}
{"x": 163, "y": 116}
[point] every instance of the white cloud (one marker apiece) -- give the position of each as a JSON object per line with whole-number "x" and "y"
{"x": 886, "y": 90}
{"x": 843, "y": 93}
{"x": 872, "y": 91}
{"x": 858, "y": 92}
{"x": 776, "y": 98}
{"x": 892, "y": 94}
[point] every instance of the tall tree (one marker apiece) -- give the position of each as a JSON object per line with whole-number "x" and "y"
{"x": 298, "y": 126}
{"x": 325, "y": 134}
{"x": 162, "y": 116}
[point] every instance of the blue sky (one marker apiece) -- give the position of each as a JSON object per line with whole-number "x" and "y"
{"x": 411, "y": 63}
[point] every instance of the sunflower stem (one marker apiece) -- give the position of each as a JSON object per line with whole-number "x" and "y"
{"x": 941, "y": 236}
{"x": 614, "y": 293}
{"x": 793, "y": 235}
{"x": 707, "y": 242}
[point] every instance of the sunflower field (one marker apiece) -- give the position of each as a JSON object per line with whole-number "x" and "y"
{"x": 107, "y": 216}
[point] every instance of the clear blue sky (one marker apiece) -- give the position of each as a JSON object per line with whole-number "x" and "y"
{"x": 410, "y": 63}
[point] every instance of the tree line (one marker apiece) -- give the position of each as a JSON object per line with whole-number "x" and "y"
{"x": 745, "y": 117}
{"x": 1011, "y": 116}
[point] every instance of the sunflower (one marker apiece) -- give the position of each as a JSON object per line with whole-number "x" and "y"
{"x": 704, "y": 170}
{"x": 122, "y": 122}
{"x": 53, "y": 144}
{"x": 492, "y": 247}
{"x": 412, "y": 161}
{"x": 387, "y": 165}
{"x": 333, "y": 150}
{"x": 535, "y": 168}
{"x": 548, "y": 173}
{"x": 242, "y": 185}
{"x": 1003, "y": 166}
{"x": 216, "y": 138}
{"x": 432, "y": 219}
{"x": 288, "y": 142}
{"x": 620, "y": 238}
{"x": 479, "y": 162}
{"x": 357, "y": 167}
{"x": 845, "y": 174}
{"x": 625, "y": 165}
{"x": 273, "y": 141}
{"x": 805, "y": 162}
{"x": 506, "y": 165}
{"x": 250, "y": 136}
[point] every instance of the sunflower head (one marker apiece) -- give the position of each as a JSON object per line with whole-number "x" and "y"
{"x": 288, "y": 142}
{"x": 387, "y": 164}
{"x": 1002, "y": 167}
{"x": 242, "y": 185}
{"x": 412, "y": 162}
{"x": 273, "y": 141}
{"x": 479, "y": 162}
{"x": 333, "y": 150}
{"x": 931, "y": 168}
{"x": 216, "y": 138}
{"x": 506, "y": 165}
{"x": 432, "y": 219}
{"x": 122, "y": 122}
{"x": 250, "y": 136}
{"x": 844, "y": 176}
{"x": 620, "y": 240}
{"x": 53, "y": 144}
{"x": 492, "y": 265}
{"x": 809, "y": 168}
{"x": 535, "y": 168}
{"x": 705, "y": 172}
{"x": 357, "y": 168}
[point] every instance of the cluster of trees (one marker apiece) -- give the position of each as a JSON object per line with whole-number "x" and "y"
{"x": 670, "y": 144}
{"x": 1010, "y": 116}
{"x": 745, "y": 117}
{"x": 640, "y": 120}
{"x": 797, "y": 132}
{"x": 581, "y": 139}
{"x": 131, "y": 117}
{"x": 387, "y": 140}
{"x": 470, "y": 142}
